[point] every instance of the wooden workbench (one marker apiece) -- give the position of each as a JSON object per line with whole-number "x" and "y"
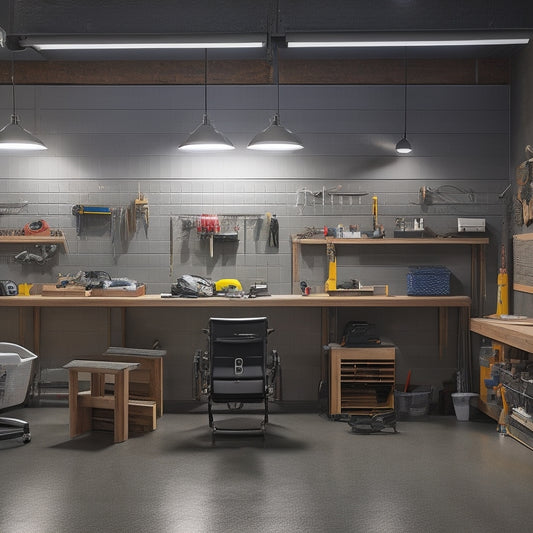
{"x": 513, "y": 334}
{"x": 290, "y": 300}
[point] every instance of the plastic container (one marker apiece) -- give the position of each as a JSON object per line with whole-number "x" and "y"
{"x": 412, "y": 404}
{"x": 461, "y": 404}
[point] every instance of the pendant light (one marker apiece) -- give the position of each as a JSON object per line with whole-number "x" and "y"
{"x": 404, "y": 146}
{"x": 13, "y": 136}
{"x": 205, "y": 138}
{"x": 276, "y": 137}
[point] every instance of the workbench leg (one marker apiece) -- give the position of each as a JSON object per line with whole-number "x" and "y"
{"x": 121, "y": 405}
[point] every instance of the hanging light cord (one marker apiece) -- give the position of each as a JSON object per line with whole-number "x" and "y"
{"x": 405, "y": 99}
{"x": 205, "y": 83}
{"x": 13, "y": 86}
{"x": 276, "y": 72}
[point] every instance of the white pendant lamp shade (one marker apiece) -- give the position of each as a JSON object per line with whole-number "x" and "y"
{"x": 14, "y": 137}
{"x": 206, "y": 138}
{"x": 403, "y": 146}
{"x": 275, "y": 138}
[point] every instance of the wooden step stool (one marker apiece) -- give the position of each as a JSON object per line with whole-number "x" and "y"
{"x": 84, "y": 405}
{"x": 146, "y": 380}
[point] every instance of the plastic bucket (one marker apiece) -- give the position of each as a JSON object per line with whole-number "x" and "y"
{"x": 461, "y": 404}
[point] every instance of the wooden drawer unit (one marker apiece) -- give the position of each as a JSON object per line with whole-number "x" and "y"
{"x": 361, "y": 380}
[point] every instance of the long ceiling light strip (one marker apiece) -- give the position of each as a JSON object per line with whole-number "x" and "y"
{"x": 398, "y": 44}
{"x": 405, "y": 39}
{"x": 145, "y": 42}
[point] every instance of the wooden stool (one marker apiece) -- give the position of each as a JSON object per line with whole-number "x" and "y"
{"x": 146, "y": 381}
{"x": 81, "y": 404}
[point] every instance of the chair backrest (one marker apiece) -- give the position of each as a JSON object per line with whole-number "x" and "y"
{"x": 237, "y": 353}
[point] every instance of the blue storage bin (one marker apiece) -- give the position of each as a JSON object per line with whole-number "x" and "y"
{"x": 428, "y": 281}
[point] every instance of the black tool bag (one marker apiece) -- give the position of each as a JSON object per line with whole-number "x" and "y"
{"x": 358, "y": 333}
{"x": 190, "y": 286}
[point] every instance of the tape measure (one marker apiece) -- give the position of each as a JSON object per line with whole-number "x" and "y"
{"x": 39, "y": 227}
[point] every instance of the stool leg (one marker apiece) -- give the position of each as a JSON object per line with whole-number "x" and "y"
{"x": 79, "y": 417}
{"x": 121, "y": 405}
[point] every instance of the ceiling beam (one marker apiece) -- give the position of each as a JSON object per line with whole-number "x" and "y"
{"x": 259, "y": 72}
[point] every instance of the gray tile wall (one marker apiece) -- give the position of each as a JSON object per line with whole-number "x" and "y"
{"x": 106, "y": 143}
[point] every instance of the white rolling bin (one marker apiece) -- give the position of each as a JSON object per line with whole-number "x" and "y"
{"x": 16, "y": 364}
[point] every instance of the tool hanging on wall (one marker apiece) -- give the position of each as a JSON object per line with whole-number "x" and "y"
{"x": 79, "y": 210}
{"x": 374, "y": 213}
{"x": 273, "y": 232}
{"x": 524, "y": 174}
{"x": 141, "y": 210}
{"x": 171, "y": 248}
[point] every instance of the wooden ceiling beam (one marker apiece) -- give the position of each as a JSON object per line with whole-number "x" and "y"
{"x": 259, "y": 72}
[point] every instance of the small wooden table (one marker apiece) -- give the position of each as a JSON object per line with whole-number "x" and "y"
{"x": 81, "y": 404}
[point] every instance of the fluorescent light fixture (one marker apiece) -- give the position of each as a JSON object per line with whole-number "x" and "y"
{"x": 398, "y": 39}
{"x": 142, "y": 42}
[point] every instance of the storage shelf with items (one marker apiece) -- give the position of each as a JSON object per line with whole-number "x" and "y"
{"x": 518, "y": 402}
{"x": 361, "y": 379}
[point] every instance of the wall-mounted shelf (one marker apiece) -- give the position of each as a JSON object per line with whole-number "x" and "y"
{"x": 477, "y": 245}
{"x": 33, "y": 239}
{"x": 387, "y": 241}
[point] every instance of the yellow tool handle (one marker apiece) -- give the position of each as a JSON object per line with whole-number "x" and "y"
{"x": 375, "y": 211}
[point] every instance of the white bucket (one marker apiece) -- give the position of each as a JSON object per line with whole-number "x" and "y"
{"x": 461, "y": 404}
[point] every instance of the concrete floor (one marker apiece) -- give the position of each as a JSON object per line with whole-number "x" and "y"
{"x": 308, "y": 475}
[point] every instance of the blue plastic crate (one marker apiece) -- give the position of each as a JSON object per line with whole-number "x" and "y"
{"x": 428, "y": 281}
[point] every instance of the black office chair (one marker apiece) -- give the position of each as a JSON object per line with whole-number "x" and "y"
{"x": 237, "y": 367}
{"x": 16, "y": 364}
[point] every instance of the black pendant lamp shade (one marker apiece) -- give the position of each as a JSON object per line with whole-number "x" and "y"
{"x": 404, "y": 146}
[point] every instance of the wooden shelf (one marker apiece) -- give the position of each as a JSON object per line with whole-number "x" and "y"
{"x": 391, "y": 241}
{"x": 33, "y": 239}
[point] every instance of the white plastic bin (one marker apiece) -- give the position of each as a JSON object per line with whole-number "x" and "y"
{"x": 461, "y": 404}
{"x": 15, "y": 373}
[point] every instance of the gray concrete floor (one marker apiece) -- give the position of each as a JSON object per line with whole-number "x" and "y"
{"x": 308, "y": 475}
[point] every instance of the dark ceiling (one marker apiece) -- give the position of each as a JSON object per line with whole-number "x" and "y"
{"x": 276, "y": 18}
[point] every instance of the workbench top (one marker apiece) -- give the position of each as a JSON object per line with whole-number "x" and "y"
{"x": 511, "y": 333}
{"x": 289, "y": 300}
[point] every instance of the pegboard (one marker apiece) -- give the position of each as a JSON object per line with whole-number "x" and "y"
{"x": 523, "y": 262}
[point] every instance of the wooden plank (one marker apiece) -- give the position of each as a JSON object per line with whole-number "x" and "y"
{"x": 373, "y": 71}
{"x": 230, "y": 72}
